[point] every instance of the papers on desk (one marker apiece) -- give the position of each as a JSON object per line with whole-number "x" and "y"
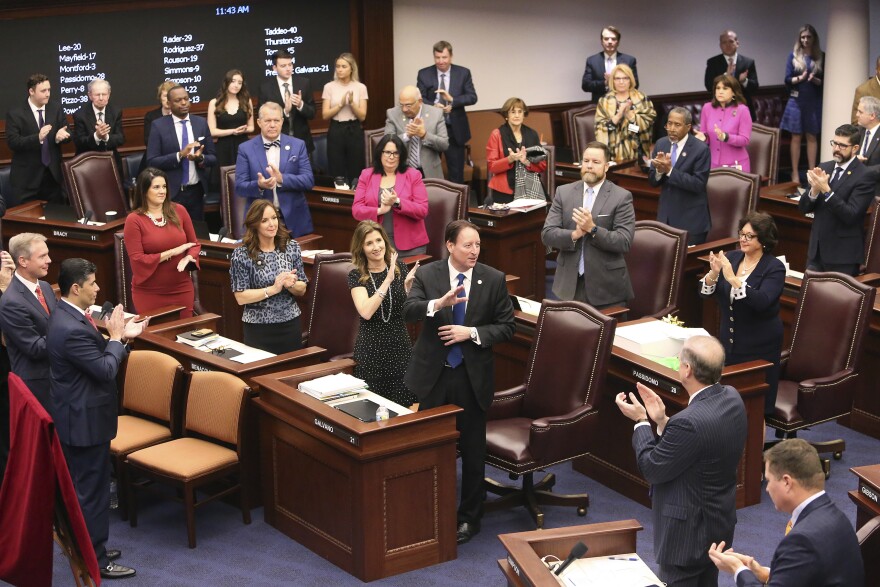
{"x": 311, "y": 253}
{"x": 527, "y": 204}
{"x": 215, "y": 343}
{"x": 620, "y": 570}
{"x": 530, "y": 307}
{"x": 95, "y": 310}
{"x": 330, "y": 385}
{"x": 654, "y": 339}
{"x": 214, "y": 239}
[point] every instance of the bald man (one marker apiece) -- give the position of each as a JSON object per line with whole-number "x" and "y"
{"x": 422, "y": 129}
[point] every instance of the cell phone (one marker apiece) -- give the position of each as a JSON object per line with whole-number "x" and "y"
{"x": 202, "y": 332}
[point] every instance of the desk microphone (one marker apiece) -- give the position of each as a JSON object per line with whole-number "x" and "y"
{"x": 87, "y": 215}
{"x": 577, "y": 551}
{"x": 221, "y": 234}
{"x": 106, "y": 309}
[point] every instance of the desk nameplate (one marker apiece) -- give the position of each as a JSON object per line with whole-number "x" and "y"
{"x": 83, "y": 236}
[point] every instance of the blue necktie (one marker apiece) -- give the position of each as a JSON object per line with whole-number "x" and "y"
{"x": 835, "y": 177}
{"x": 184, "y": 163}
{"x": 45, "y": 155}
{"x": 674, "y": 156}
{"x": 589, "y": 206}
{"x": 454, "y": 357}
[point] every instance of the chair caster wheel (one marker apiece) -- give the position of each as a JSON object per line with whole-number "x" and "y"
{"x": 838, "y": 456}
{"x": 582, "y": 512}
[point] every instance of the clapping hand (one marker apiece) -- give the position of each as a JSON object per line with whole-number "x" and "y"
{"x": 518, "y": 155}
{"x": 583, "y": 219}
{"x": 349, "y": 98}
{"x": 416, "y": 128}
{"x": 719, "y": 133}
{"x": 102, "y": 129}
{"x": 662, "y": 162}
{"x": 632, "y": 409}
{"x": 818, "y": 180}
{"x": 654, "y": 406}
{"x": 297, "y": 99}
{"x": 44, "y": 131}
{"x": 133, "y": 328}
{"x": 7, "y": 268}
{"x": 715, "y": 262}
{"x": 410, "y": 277}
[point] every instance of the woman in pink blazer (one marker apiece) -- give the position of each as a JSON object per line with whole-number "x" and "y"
{"x": 393, "y": 194}
{"x": 726, "y": 125}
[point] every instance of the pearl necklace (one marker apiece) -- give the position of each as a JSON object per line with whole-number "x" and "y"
{"x": 744, "y": 270}
{"x": 159, "y": 223}
{"x": 385, "y": 319}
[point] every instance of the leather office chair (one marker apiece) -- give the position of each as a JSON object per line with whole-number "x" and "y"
{"x": 333, "y": 319}
{"x": 94, "y": 182}
{"x": 6, "y": 187}
{"x": 580, "y": 124}
{"x": 655, "y": 263}
{"x": 131, "y": 163}
{"x": 819, "y": 373}
{"x": 447, "y": 201}
{"x": 482, "y": 123}
{"x": 320, "y": 165}
{"x": 872, "y": 241}
{"x": 152, "y": 388}
{"x": 763, "y": 151}
{"x": 732, "y": 195}
{"x": 123, "y": 278}
{"x": 371, "y": 139}
{"x": 541, "y": 123}
{"x": 869, "y": 544}
{"x": 207, "y": 457}
{"x": 551, "y": 418}
{"x": 233, "y": 208}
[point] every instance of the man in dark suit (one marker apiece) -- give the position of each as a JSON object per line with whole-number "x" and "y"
{"x": 97, "y": 126}
{"x": 465, "y": 310}
{"x": 181, "y": 145}
{"x": 598, "y": 69}
{"x": 819, "y": 547}
{"x": 450, "y": 88}
{"x": 868, "y": 117}
{"x": 692, "y": 464}
{"x": 680, "y": 166}
{"x": 25, "y": 310}
{"x": 591, "y": 223}
{"x": 7, "y": 269}
{"x": 83, "y": 369}
{"x": 276, "y": 167}
{"x": 294, "y": 95}
{"x": 35, "y": 131}
{"x": 734, "y": 64}
{"x": 840, "y": 193}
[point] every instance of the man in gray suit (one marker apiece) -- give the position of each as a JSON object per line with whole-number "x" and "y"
{"x": 592, "y": 223}
{"x": 691, "y": 464}
{"x": 422, "y": 128}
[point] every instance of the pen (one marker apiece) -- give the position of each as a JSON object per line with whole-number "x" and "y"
{"x": 622, "y": 558}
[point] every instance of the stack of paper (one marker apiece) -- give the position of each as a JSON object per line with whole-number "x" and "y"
{"x": 331, "y": 385}
{"x": 192, "y": 341}
{"x": 655, "y": 338}
{"x": 527, "y": 204}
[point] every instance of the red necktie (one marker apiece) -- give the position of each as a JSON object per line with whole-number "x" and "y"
{"x": 42, "y": 299}
{"x": 90, "y": 319}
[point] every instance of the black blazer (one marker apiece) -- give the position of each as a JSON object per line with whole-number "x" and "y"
{"x": 23, "y": 136}
{"x": 298, "y": 119}
{"x": 594, "y": 73}
{"x": 84, "y": 121}
{"x": 684, "y": 202}
{"x": 838, "y": 235}
{"x": 873, "y": 159}
{"x": 461, "y": 88}
{"x": 717, "y": 65}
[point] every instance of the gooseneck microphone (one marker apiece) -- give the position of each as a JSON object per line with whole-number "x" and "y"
{"x": 87, "y": 215}
{"x": 577, "y": 551}
{"x": 106, "y": 309}
{"x": 221, "y": 234}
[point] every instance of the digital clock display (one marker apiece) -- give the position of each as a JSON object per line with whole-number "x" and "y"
{"x": 235, "y": 9}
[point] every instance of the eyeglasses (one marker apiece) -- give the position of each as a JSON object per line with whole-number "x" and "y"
{"x": 747, "y": 236}
{"x": 839, "y": 145}
{"x": 391, "y": 154}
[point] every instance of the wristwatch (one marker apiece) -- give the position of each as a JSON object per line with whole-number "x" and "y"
{"x": 593, "y": 231}
{"x": 473, "y": 334}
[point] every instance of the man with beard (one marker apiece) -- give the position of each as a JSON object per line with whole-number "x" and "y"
{"x": 592, "y": 223}
{"x": 840, "y": 193}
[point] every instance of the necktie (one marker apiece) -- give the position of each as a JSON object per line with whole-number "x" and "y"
{"x": 589, "y": 205}
{"x": 731, "y": 67}
{"x": 674, "y": 156}
{"x": 441, "y": 100}
{"x": 45, "y": 156}
{"x": 454, "y": 357}
{"x": 91, "y": 320}
{"x": 609, "y": 65}
{"x": 42, "y": 299}
{"x": 287, "y": 96}
{"x": 788, "y": 527}
{"x": 100, "y": 116}
{"x": 413, "y": 156}
{"x": 835, "y": 177}
{"x": 275, "y": 143}
{"x": 866, "y": 143}
{"x": 184, "y": 163}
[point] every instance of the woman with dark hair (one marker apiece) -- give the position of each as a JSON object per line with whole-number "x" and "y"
{"x": 378, "y": 289}
{"x": 162, "y": 247}
{"x": 345, "y": 106}
{"x": 726, "y": 125}
{"x": 625, "y": 117}
{"x": 513, "y": 165}
{"x": 393, "y": 194}
{"x": 230, "y": 119}
{"x": 804, "y": 72}
{"x": 747, "y": 285}
{"x": 266, "y": 273}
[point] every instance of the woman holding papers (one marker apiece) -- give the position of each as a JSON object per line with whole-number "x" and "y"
{"x": 266, "y": 273}
{"x": 378, "y": 289}
{"x": 515, "y": 157}
{"x": 162, "y": 247}
{"x": 747, "y": 284}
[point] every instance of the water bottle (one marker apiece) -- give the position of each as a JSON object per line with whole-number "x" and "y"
{"x": 381, "y": 414}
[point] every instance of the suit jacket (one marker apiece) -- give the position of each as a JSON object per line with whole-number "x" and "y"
{"x": 163, "y": 147}
{"x": 821, "y": 551}
{"x": 838, "y": 235}
{"x": 594, "y": 73}
{"x": 873, "y": 158}
{"x": 717, "y": 65}
{"x": 296, "y": 171}
{"x": 297, "y": 124}
{"x": 83, "y": 368}
{"x": 488, "y": 309}
{"x": 692, "y": 469}
{"x": 737, "y": 123}
{"x": 684, "y": 202}
{"x": 435, "y": 142}
{"x": 84, "y": 121}
{"x": 25, "y": 324}
{"x": 606, "y": 277}
{"x": 871, "y": 87}
{"x": 461, "y": 88}
{"x": 409, "y": 219}
{"x": 23, "y": 137}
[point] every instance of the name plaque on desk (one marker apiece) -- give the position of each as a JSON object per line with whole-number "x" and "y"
{"x": 83, "y": 236}
{"x": 482, "y": 221}
{"x": 655, "y": 381}
{"x": 214, "y": 254}
{"x": 338, "y": 432}
{"x": 869, "y": 492}
{"x": 348, "y": 200}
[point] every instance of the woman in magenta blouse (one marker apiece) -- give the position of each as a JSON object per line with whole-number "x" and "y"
{"x": 726, "y": 125}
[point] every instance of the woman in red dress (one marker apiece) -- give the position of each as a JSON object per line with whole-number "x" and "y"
{"x": 162, "y": 247}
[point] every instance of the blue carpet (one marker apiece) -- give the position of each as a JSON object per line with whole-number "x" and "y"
{"x": 230, "y": 553}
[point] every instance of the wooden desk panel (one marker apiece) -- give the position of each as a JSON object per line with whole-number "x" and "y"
{"x": 331, "y": 216}
{"x": 867, "y": 496}
{"x": 794, "y": 227}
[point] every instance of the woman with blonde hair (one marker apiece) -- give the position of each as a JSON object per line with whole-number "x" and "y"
{"x": 624, "y": 117}
{"x": 345, "y": 106}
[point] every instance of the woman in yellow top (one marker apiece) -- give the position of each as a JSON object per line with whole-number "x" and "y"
{"x": 624, "y": 117}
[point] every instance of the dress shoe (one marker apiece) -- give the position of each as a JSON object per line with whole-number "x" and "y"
{"x": 114, "y": 571}
{"x": 113, "y": 554}
{"x": 466, "y": 531}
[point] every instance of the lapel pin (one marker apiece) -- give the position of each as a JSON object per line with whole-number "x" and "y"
{"x": 684, "y": 154}
{"x": 286, "y": 147}
{"x": 479, "y": 282}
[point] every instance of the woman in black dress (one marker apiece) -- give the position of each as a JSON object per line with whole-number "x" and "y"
{"x": 382, "y": 349}
{"x": 230, "y": 119}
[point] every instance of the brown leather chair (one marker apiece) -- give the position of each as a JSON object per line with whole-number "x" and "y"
{"x": 482, "y": 123}
{"x": 447, "y": 201}
{"x": 580, "y": 126}
{"x": 233, "y": 209}
{"x": 732, "y": 195}
{"x": 333, "y": 319}
{"x": 94, "y": 182}
{"x": 541, "y": 123}
{"x": 655, "y": 263}
{"x": 869, "y": 544}
{"x": 551, "y": 418}
{"x": 371, "y": 140}
{"x": 123, "y": 278}
{"x": 819, "y": 373}
{"x": 764, "y": 151}
{"x": 872, "y": 241}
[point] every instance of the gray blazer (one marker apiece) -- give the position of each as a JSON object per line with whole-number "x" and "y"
{"x": 435, "y": 142}
{"x": 606, "y": 276}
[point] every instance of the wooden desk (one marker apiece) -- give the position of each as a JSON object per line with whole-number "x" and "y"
{"x": 523, "y": 566}
{"x": 67, "y": 240}
{"x": 375, "y": 499}
{"x": 867, "y": 496}
{"x": 331, "y": 216}
{"x": 794, "y": 227}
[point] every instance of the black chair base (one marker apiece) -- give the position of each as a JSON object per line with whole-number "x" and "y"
{"x": 836, "y": 447}
{"x": 531, "y": 496}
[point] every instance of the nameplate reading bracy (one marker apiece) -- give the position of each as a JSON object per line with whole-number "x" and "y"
{"x": 83, "y": 236}
{"x": 337, "y": 431}
{"x": 651, "y": 379}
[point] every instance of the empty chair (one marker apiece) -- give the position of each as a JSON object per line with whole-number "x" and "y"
{"x": 94, "y": 182}
{"x": 447, "y": 201}
{"x": 732, "y": 195}
{"x": 655, "y": 263}
{"x": 333, "y": 319}
{"x": 580, "y": 124}
{"x": 763, "y": 151}
{"x": 872, "y": 241}
{"x": 233, "y": 208}
{"x": 371, "y": 139}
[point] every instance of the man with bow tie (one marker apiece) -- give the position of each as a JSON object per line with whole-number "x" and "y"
{"x": 276, "y": 167}
{"x": 840, "y": 192}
